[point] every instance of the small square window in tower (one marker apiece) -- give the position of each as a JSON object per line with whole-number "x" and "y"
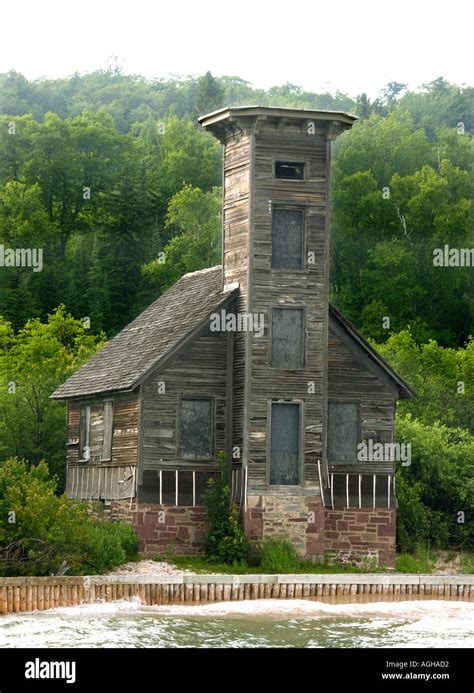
{"x": 196, "y": 428}
{"x": 287, "y": 338}
{"x": 287, "y": 239}
{"x": 285, "y": 443}
{"x": 289, "y": 170}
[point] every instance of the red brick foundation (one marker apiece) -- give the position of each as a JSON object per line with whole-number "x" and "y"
{"x": 162, "y": 528}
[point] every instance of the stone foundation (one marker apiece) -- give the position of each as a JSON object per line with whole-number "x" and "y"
{"x": 297, "y": 518}
{"x": 162, "y": 528}
{"x": 348, "y": 536}
{"x": 355, "y": 535}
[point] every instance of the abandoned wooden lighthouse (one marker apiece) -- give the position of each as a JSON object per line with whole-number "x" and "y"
{"x": 250, "y": 358}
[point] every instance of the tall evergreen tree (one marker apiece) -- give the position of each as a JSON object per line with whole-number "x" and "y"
{"x": 209, "y": 94}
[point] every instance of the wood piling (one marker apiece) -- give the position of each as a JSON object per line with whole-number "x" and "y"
{"x": 26, "y": 594}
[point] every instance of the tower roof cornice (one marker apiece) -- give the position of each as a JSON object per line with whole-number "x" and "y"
{"x": 226, "y": 121}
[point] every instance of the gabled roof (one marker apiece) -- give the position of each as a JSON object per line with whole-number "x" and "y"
{"x": 404, "y": 390}
{"x": 151, "y": 337}
{"x": 175, "y": 317}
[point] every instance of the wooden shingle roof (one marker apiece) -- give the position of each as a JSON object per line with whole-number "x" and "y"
{"x": 151, "y": 337}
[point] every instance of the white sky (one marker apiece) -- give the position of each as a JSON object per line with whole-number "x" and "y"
{"x": 350, "y": 45}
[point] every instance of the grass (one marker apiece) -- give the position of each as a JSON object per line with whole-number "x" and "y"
{"x": 201, "y": 565}
{"x": 467, "y": 563}
{"x": 276, "y": 556}
{"x": 422, "y": 561}
{"x": 409, "y": 563}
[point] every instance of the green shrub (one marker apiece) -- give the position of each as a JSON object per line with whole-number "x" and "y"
{"x": 107, "y": 545}
{"x": 225, "y": 541}
{"x": 278, "y": 556}
{"x": 436, "y": 487}
{"x": 128, "y": 539}
{"x": 40, "y": 530}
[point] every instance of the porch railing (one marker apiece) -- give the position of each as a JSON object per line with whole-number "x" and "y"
{"x": 186, "y": 487}
{"x": 358, "y": 490}
{"x": 169, "y": 486}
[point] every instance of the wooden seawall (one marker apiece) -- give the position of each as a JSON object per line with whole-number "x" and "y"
{"x": 40, "y": 593}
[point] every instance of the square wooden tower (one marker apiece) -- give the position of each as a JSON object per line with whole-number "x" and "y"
{"x": 276, "y": 246}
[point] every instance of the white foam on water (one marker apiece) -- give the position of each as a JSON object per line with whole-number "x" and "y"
{"x": 252, "y": 623}
{"x": 284, "y": 607}
{"x": 121, "y": 606}
{"x": 305, "y": 608}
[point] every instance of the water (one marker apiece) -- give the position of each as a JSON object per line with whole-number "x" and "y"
{"x": 259, "y": 623}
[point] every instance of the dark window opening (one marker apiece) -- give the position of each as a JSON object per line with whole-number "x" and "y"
{"x": 196, "y": 428}
{"x": 191, "y": 487}
{"x": 285, "y": 444}
{"x": 343, "y": 432}
{"x": 149, "y": 489}
{"x": 291, "y": 170}
{"x": 287, "y": 239}
{"x": 168, "y": 491}
{"x": 287, "y": 341}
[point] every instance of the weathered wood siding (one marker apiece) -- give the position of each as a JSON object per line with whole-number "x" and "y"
{"x": 272, "y": 287}
{"x": 199, "y": 370}
{"x": 125, "y": 430}
{"x": 350, "y": 380}
{"x": 236, "y": 226}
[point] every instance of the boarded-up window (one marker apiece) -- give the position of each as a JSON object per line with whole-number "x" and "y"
{"x": 287, "y": 343}
{"x": 291, "y": 170}
{"x": 95, "y": 431}
{"x": 108, "y": 428}
{"x": 343, "y": 432}
{"x": 285, "y": 443}
{"x": 196, "y": 428}
{"x": 287, "y": 239}
{"x": 84, "y": 432}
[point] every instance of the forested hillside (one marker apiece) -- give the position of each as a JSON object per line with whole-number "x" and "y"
{"x": 106, "y": 171}
{"x": 110, "y": 175}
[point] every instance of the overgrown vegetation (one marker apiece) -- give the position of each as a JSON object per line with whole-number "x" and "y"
{"x": 436, "y": 492}
{"x": 42, "y": 533}
{"x": 225, "y": 540}
{"x": 107, "y": 545}
{"x": 427, "y": 560}
{"x": 278, "y": 556}
{"x": 33, "y": 362}
{"x": 279, "y": 563}
{"x": 420, "y": 561}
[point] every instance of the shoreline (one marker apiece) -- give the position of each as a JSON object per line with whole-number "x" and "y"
{"x": 22, "y": 594}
